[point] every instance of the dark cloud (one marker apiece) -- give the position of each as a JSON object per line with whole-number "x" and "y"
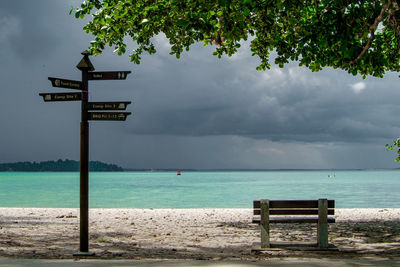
{"x": 281, "y": 104}
{"x": 196, "y": 112}
{"x": 37, "y": 29}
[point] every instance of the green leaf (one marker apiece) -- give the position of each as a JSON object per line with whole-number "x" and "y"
{"x": 182, "y": 22}
{"x": 246, "y": 11}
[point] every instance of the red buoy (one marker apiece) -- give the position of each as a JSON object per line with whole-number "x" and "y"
{"x": 178, "y": 172}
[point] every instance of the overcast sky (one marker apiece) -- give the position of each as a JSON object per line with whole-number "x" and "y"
{"x": 195, "y": 112}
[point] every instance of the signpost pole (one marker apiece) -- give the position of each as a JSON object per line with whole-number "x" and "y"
{"x": 84, "y": 171}
{"x": 84, "y": 66}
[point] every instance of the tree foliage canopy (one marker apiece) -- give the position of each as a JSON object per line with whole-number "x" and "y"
{"x": 361, "y": 37}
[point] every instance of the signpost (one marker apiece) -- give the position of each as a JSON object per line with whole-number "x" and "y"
{"x": 108, "y": 105}
{"x": 108, "y": 75}
{"x": 61, "y": 97}
{"x": 63, "y": 83}
{"x": 108, "y": 116}
{"x": 86, "y": 67}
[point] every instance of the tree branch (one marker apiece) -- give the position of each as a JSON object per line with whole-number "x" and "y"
{"x": 218, "y": 38}
{"x": 372, "y": 30}
{"x": 360, "y": 34}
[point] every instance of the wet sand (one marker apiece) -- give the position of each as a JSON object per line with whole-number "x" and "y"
{"x": 195, "y": 234}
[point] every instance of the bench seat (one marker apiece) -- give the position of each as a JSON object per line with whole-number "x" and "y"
{"x": 281, "y": 219}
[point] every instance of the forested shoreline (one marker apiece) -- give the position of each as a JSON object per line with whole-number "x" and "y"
{"x": 57, "y": 166}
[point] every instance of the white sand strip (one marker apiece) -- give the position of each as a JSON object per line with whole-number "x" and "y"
{"x": 182, "y": 233}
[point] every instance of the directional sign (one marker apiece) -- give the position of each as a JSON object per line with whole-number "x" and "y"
{"x": 108, "y": 116}
{"x": 108, "y": 75}
{"x": 48, "y": 97}
{"x": 108, "y": 105}
{"x": 63, "y": 83}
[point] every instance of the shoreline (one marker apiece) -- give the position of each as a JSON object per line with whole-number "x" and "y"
{"x": 209, "y": 234}
{"x": 341, "y": 214}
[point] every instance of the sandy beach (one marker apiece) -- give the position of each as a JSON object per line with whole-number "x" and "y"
{"x": 197, "y": 234}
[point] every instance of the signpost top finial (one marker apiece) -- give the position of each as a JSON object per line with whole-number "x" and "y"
{"x": 85, "y": 53}
{"x": 85, "y": 63}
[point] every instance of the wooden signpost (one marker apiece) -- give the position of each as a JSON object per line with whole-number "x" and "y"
{"x": 87, "y": 69}
{"x": 63, "y": 83}
{"x": 61, "y": 97}
{"x": 108, "y": 105}
{"x": 108, "y": 75}
{"x": 108, "y": 116}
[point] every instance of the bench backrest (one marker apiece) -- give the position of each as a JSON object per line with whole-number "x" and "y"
{"x": 293, "y": 207}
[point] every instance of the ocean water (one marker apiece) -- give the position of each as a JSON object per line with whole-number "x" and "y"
{"x": 350, "y": 189}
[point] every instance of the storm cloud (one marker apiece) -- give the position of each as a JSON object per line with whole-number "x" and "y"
{"x": 195, "y": 112}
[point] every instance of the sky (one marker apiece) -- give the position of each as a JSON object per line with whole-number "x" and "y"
{"x": 198, "y": 112}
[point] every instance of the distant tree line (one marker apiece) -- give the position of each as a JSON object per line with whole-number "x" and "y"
{"x": 57, "y": 166}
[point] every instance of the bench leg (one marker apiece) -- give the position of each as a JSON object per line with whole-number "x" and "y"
{"x": 264, "y": 224}
{"x": 322, "y": 223}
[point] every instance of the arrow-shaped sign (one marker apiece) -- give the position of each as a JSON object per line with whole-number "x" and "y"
{"x": 108, "y": 116}
{"x": 49, "y": 97}
{"x": 108, "y": 75}
{"x": 63, "y": 83}
{"x": 108, "y": 105}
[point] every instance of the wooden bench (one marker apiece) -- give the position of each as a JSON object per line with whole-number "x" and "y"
{"x": 304, "y": 211}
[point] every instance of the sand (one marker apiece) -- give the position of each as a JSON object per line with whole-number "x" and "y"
{"x": 199, "y": 234}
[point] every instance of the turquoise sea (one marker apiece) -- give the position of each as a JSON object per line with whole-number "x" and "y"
{"x": 237, "y": 189}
